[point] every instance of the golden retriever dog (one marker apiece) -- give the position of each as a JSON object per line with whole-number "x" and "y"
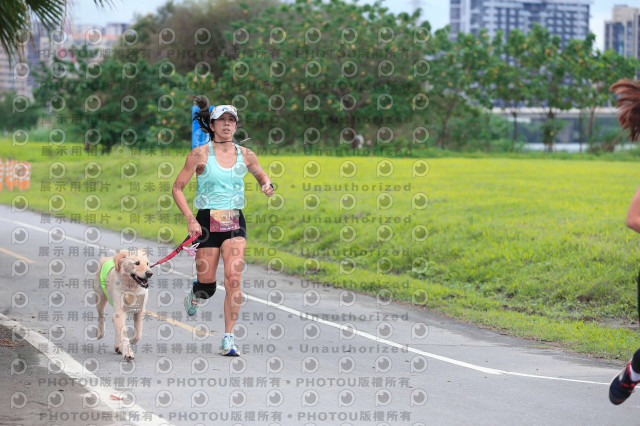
{"x": 123, "y": 282}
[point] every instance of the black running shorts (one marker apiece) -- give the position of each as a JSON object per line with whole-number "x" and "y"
{"x": 215, "y": 239}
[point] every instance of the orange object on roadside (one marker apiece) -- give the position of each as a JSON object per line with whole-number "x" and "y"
{"x": 28, "y": 181}
{"x": 1, "y": 174}
{"x": 20, "y": 171}
{"x": 15, "y": 174}
{"x": 8, "y": 174}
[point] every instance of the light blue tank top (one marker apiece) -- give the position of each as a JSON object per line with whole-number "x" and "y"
{"x": 219, "y": 187}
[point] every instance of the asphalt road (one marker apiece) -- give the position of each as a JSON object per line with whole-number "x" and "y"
{"x": 311, "y": 354}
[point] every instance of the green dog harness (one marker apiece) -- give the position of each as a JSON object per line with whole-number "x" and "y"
{"x": 106, "y": 268}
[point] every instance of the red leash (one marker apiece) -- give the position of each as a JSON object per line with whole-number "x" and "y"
{"x": 181, "y": 247}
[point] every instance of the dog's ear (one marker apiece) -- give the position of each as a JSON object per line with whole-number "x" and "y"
{"x": 118, "y": 258}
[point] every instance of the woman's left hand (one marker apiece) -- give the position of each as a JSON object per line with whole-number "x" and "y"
{"x": 267, "y": 189}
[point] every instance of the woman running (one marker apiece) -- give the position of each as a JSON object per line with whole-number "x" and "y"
{"x": 628, "y": 104}
{"x": 219, "y": 166}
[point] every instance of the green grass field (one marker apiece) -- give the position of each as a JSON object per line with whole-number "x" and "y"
{"x": 536, "y": 248}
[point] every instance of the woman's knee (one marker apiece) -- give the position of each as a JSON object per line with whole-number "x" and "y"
{"x": 232, "y": 281}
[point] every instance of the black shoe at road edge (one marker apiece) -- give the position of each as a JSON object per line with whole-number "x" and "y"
{"x": 621, "y": 387}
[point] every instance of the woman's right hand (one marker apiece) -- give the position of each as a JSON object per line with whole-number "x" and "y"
{"x": 193, "y": 227}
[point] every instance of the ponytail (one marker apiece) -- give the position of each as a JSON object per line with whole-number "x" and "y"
{"x": 628, "y": 104}
{"x": 202, "y": 116}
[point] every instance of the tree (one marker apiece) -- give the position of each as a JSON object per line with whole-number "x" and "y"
{"x": 548, "y": 70}
{"x": 190, "y": 34}
{"x": 17, "y": 17}
{"x": 510, "y": 78}
{"x": 596, "y": 72}
{"x": 584, "y": 61}
{"x": 458, "y": 77}
{"x": 612, "y": 67}
{"x": 103, "y": 103}
{"x": 487, "y": 57}
{"x": 17, "y": 112}
{"x": 330, "y": 69}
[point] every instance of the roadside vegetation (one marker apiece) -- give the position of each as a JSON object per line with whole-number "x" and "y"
{"x": 535, "y": 248}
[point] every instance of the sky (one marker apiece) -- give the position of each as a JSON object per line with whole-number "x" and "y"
{"x": 434, "y": 11}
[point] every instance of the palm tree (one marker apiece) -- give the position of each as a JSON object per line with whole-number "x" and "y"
{"x": 17, "y": 17}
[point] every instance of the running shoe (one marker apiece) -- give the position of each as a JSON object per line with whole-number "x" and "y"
{"x": 191, "y": 303}
{"x": 229, "y": 347}
{"x": 621, "y": 387}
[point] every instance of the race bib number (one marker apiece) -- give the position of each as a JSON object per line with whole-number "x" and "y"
{"x": 224, "y": 220}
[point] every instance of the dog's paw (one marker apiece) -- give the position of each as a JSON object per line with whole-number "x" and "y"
{"x": 117, "y": 348}
{"x": 100, "y": 333}
{"x": 128, "y": 356}
{"x": 134, "y": 340}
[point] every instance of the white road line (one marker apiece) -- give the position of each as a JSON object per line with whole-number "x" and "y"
{"x": 46, "y": 231}
{"x": 311, "y": 317}
{"x": 410, "y": 349}
{"x": 78, "y": 373}
{"x": 375, "y": 338}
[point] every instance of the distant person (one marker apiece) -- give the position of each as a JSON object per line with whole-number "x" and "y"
{"x": 628, "y": 104}
{"x": 220, "y": 166}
